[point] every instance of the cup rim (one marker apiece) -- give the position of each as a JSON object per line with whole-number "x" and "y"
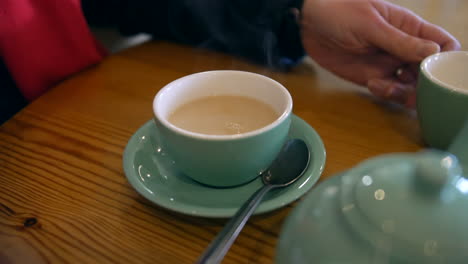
{"x": 425, "y": 63}
{"x": 282, "y": 117}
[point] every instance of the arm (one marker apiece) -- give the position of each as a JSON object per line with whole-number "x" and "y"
{"x": 11, "y": 100}
{"x": 263, "y": 31}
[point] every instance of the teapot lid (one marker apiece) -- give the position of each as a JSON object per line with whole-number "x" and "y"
{"x": 415, "y": 205}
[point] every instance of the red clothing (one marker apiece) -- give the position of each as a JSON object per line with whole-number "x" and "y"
{"x": 44, "y": 41}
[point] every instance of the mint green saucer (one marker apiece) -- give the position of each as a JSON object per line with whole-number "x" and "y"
{"x": 155, "y": 176}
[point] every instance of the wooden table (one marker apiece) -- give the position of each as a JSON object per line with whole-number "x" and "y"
{"x": 64, "y": 196}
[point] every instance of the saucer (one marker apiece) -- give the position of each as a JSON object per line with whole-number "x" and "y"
{"x": 155, "y": 176}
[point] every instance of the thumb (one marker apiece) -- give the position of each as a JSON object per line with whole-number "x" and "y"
{"x": 400, "y": 44}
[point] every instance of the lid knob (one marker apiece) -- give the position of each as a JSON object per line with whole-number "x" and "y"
{"x": 434, "y": 169}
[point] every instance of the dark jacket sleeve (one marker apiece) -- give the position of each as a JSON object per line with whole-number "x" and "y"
{"x": 11, "y": 100}
{"x": 263, "y": 31}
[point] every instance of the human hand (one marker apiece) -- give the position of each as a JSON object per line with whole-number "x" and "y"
{"x": 372, "y": 43}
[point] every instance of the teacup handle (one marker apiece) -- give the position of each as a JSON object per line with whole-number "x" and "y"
{"x": 459, "y": 148}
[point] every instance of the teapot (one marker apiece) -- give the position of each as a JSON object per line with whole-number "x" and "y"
{"x": 392, "y": 209}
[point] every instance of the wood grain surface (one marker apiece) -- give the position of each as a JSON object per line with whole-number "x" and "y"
{"x": 64, "y": 197}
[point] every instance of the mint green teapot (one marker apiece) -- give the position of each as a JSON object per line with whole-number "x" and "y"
{"x": 397, "y": 208}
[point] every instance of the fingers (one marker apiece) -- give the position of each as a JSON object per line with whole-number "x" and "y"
{"x": 393, "y": 90}
{"x": 378, "y": 66}
{"x": 407, "y": 36}
{"x": 406, "y": 74}
{"x": 437, "y": 34}
{"x": 400, "y": 44}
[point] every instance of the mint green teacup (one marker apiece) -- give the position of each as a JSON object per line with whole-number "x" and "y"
{"x": 442, "y": 97}
{"x": 223, "y": 160}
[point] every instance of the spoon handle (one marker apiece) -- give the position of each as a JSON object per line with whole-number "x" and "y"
{"x": 220, "y": 245}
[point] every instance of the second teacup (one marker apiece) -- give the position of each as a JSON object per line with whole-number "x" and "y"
{"x": 442, "y": 97}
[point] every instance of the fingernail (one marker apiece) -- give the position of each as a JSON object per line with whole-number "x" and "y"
{"x": 427, "y": 49}
{"x": 411, "y": 101}
{"x": 378, "y": 87}
{"x": 387, "y": 90}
